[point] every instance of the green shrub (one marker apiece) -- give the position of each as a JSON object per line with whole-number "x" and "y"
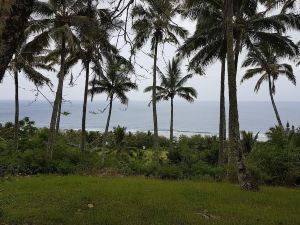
{"x": 273, "y": 163}
{"x": 119, "y": 136}
{"x": 170, "y": 171}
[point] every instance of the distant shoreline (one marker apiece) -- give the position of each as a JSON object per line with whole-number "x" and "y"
{"x": 199, "y": 118}
{"x": 177, "y": 133}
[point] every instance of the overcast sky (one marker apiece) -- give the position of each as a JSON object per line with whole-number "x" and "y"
{"x": 208, "y": 86}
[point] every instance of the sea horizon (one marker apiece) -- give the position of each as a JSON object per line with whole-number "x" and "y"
{"x": 200, "y": 117}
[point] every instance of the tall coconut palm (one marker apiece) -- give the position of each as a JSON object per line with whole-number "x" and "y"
{"x": 245, "y": 180}
{"x": 209, "y": 45}
{"x": 115, "y": 83}
{"x": 21, "y": 63}
{"x": 248, "y": 24}
{"x": 58, "y": 21}
{"x": 172, "y": 84}
{"x": 245, "y": 27}
{"x": 266, "y": 63}
{"x": 96, "y": 47}
{"x": 153, "y": 20}
{"x": 88, "y": 47}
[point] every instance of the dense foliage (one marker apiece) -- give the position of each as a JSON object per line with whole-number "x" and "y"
{"x": 275, "y": 162}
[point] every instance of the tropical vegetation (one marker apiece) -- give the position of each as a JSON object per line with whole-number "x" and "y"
{"x": 105, "y": 39}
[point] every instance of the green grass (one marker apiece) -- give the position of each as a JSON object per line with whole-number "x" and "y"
{"x": 55, "y": 200}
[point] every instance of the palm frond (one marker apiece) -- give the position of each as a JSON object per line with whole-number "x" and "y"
{"x": 190, "y": 91}
{"x": 35, "y": 76}
{"x": 183, "y": 80}
{"x": 263, "y": 78}
{"x": 250, "y": 73}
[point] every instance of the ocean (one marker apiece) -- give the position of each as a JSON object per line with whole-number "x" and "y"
{"x": 196, "y": 118}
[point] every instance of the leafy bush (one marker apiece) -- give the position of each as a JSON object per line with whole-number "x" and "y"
{"x": 119, "y": 136}
{"x": 170, "y": 171}
{"x": 277, "y": 161}
{"x": 206, "y": 148}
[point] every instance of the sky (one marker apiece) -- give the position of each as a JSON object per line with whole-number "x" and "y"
{"x": 208, "y": 85}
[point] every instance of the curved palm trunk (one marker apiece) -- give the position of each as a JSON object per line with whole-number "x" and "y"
{"x": 83, "y": 122}
{"x": 155, "y": 137}
{"x": 171, "y": 124}
{"x": 273, "y": 102}
{"x": 16, "y": 135}
{"x": 108, "y": 119}
{"x": 13, "y": 21}
{"x": 58, "y": 97}
{"x": 245, "y": 180}
{"x": 222, "y": 124}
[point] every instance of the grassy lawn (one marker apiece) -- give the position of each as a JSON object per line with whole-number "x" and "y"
{"x": 138, "y": 201}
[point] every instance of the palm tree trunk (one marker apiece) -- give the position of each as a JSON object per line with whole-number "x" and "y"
{"x": 108, "y": 119}
{"x": 234, "y": 135}
{"x": 16, "y": 111}
{"x": 109, "y": 115}
{"x": 155, "y": 137}
{"x": 83, "y": 132}
{"x": 171, "y": 124}
{"x": 13, "y": 21}
{"x": 231, "y": 155}
{"x": 245, "y": 180}
{"x": 222, "y": 124}
{"x": 85, "y": 95}
{"x": 58, "y": 97}
{"x": 237, "y": 52}
{"x": 57, "y": 125}
{"x": 273, "y": 102}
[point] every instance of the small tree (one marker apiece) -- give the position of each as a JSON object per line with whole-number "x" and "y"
{"x": 119, "y": 136}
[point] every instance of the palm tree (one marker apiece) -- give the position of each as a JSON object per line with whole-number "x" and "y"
{"x": 153, "y": 20}
{"x": 243, "y": 29}
{"x": 58, "y": 20}
{"x": 115, "y": 84}
{"x": 87, "y": 59}
{"x": 172, "y": 84}
{"x": 209, "y": 45}
{"x": 249, "y": 25}
{"x": 19, "y": 63}
{"x": 13, "y": 22}
{"x": 266, "y": 64}
{"x": 95, "y": 47}
{"x": 245, "y": 180}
